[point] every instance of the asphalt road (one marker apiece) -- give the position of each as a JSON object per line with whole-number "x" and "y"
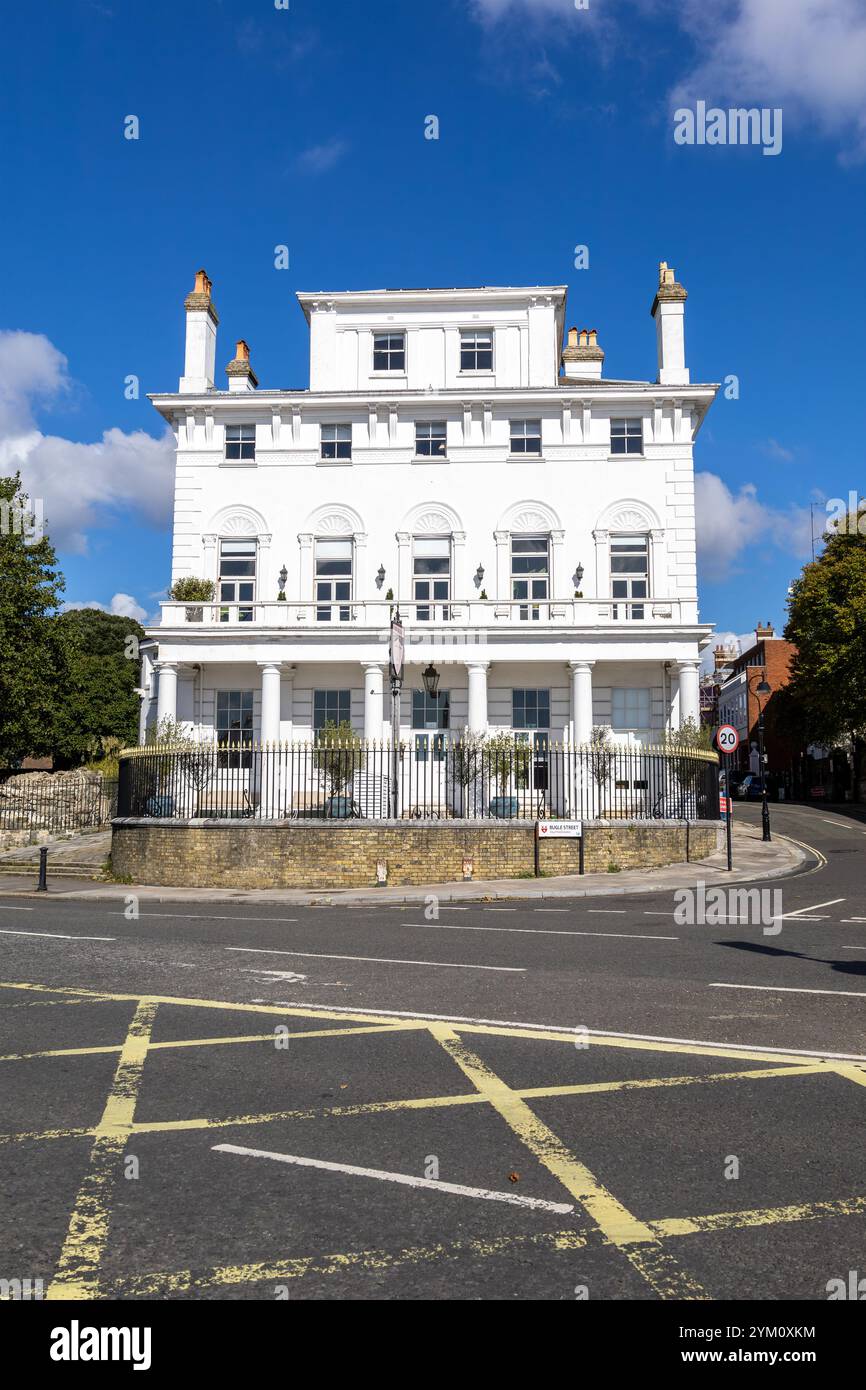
{"x": 498, "y": 1101}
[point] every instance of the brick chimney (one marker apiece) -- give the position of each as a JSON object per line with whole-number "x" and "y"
{"x": 764, "y": 630}
{"x": 668, "y": 310}
{"x": 201, "y": 326}
{"x": 724, "y": 656}
{"x": 239, "y": 371}
{"x": 582, "y": 358}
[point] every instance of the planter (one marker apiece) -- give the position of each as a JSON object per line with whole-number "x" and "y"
{"x": 504, "y": 807}
{"x": 339, "y": 807}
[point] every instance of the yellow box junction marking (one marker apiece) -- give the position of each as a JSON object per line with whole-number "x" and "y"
{"x": 78, "y": 1271}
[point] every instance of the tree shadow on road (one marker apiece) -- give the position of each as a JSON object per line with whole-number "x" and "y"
{"x": 844, "y": 967}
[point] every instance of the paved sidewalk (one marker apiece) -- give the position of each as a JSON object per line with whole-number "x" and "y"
{"x": 753, "y": 860}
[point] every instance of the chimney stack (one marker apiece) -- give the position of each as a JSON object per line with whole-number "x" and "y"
{"x": 669, "y": 313}
{"x": 582, "y": 358}
{"x": 724, "y": 656}
{"x": 239, "y": 371}
{"x": 764, "y": 630}
{"x": 201, "y": 326}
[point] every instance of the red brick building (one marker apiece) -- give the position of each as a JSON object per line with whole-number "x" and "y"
{"x": 768, "y": 659}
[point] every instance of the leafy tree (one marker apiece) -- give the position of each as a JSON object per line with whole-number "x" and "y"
{"x": 98, "y": 705}
{"x": 32, "y": 661}
{"x": 339, "y": 754}
{"x": 827, "y": 623}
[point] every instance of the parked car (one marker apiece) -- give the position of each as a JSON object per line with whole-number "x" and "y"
{"x": 751, "y": 788}
{"x": 735, "y": 777}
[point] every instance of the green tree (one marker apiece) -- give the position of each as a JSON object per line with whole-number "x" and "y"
{"x": 31, "y": 653}
{"x": 826, "y": 697}
{"x": 99, "y": 705}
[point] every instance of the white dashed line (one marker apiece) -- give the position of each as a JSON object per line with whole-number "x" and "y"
{"x": 379, "y": 960}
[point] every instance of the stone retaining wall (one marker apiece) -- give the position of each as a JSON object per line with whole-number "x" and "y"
{"x": 345, "y": 854}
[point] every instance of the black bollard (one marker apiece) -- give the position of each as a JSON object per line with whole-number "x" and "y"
{"x": 42, "y": 885}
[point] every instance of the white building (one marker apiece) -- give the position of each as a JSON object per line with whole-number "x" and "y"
{"x": 536, "y": 528}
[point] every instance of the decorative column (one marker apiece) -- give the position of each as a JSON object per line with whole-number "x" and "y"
{"x": 209, "y": 558}
{"x": 305, "y": 573}
{"x": 556, "y": 592}
{"x": 404, "y": 562}
{"x": 459, "y": 588}
{"x": 477, "y": 717}
{"x": 270, "y": 730}
{"x": 266, "y": 764}
{"x": 658, "y": 579}
{"x": 266, "y": 593}
{"x": 690, "y": 703}
{"x": 166, "y": 696}
{"x": 503, "y": 566}
{"x": 602, "y": 564}
{"x": 374, "y": 706}
{"x": 581, "y": 700}
{"x": 359, "y": 566}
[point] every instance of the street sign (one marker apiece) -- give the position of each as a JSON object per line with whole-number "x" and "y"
{"x": 560, "y": 829}
{"x": 727, "y": 738}
{"x": 724, "y": 804}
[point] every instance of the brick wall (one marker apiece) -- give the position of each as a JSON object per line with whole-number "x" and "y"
{"x": 236, "y": 854}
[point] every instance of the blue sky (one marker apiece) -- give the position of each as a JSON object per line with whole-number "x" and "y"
{"x": 261, "y": 126}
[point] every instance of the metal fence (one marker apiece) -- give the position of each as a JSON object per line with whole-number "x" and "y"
{"x": 49, "y": 804}
{"x": 505, "y": 778}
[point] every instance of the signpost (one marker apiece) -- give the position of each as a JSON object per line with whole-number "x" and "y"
{"x": 727, "y": 742}
{"x": 558, "y": 830}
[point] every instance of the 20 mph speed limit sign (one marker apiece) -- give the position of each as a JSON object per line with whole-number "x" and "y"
{"x": 727, "y": 739}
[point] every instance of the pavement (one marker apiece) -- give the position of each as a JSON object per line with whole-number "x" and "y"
{"x": 751, "y": 859}
{"x": 432, "y": 1100}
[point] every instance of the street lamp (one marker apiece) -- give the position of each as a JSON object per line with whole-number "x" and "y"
{"x": 282, "y": 578}
{"x": 763, "y": 689}
{"x": 396, "y": 650}
{"x": 430, "y": 677}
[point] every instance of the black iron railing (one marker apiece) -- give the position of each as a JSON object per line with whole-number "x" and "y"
{"x": 504, "y": 778}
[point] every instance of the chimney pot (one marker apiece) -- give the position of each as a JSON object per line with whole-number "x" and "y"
{"x": 572, "y": 337}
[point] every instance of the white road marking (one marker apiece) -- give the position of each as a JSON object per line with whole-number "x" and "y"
{"x": 57, "y": 936}
{"x": 551, "y": 909}
{"x": 380, "y": 960}
{"x": 840, "y": 824}
{"x": 567, "y": 1032}
{"x": 788, "y": 989}
{"x": 813, "y": 908}
{"x": 854, "y": 948}
{"x": 852, "y": 919}
{"x": 405, "y": 1179}
{"x": 206, "y": 917}
{"x": 499, "y": 909}
{"x": 3, "y": 908}
{"x": 544, "y": 931}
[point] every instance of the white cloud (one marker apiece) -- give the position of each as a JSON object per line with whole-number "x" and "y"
{"x": 727, "y": 523}
{"x": 318, "y": 159}
{"x": 80, "y": 486}
{"x": 807, "y": 56}
{"x": 740, "y": 641}
{"x": 122, "y": 605}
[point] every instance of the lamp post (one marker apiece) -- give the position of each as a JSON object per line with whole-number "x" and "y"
{"x": 396, "y": 650}
{"x": 763, "y": 689}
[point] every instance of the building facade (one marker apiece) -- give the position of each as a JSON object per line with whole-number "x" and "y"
{"x": 457, "y": 454}
{"x": 768, "y": 659}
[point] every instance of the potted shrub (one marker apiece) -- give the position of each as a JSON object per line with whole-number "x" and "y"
{"x": 338, "y": 755}
{"x": 502, "y": 757}
{"x": 465, "y": 766}
{"x": 192, "y": 592}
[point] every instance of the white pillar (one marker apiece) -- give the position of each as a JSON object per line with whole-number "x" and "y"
{"x": 503, "y": 566}
{"x": 557, "y": 588}
{"x": 166, "y": 700}
{"x": 404, "y": 564}
{"x": 305, "y": 572}
{"x": 690, "y": 704}
{"x": 270, "y": 730}
{"x": 374, "y": 709}
{"x": 477, "y": 718}
{"x": 581, "y": 700}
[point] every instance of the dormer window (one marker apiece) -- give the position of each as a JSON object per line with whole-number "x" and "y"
{"x": 389, "y": 352}
{"x": 240, "y": 443}
{"x": 476, "y": 351}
